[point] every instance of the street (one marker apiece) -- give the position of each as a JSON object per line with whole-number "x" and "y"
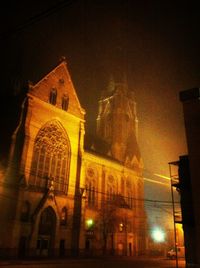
{"x": 124, "y": 262}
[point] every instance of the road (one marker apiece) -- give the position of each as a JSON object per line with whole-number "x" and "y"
{"x": 126, "y": 262}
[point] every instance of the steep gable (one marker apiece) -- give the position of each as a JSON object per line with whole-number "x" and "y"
{"x": 58, "y": 79}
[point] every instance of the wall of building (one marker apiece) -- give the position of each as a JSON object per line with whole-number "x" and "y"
{"x": 191, "y": 110}
{"x": 44, "y": 213}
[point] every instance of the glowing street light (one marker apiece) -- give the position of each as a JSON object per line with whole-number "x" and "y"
{"x": 89, "y": 223}
{"x": 158, "y": 235}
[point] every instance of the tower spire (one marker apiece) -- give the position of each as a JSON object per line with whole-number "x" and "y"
{"x": 117, "y": 121}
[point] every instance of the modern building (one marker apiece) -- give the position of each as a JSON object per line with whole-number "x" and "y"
{"x": 60, "y": 196}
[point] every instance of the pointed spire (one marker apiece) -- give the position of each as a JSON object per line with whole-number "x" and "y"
{"x": 62, "y": 59}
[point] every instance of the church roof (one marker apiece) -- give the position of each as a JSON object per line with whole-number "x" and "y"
{"x": 60, "y": 80}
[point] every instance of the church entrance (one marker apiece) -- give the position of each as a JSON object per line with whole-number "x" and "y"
{"x": 22, "y": 247}
{"x": 46, "y": 233}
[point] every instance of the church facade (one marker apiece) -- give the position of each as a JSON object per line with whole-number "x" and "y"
{"x": 60, "y": 197}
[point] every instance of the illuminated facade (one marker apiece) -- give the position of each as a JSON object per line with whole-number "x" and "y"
{"x": 60, "y": 197}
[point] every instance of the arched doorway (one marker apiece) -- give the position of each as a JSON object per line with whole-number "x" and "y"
{"x": 46, "y": 232}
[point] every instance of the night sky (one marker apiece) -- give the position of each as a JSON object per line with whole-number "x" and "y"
{"x": 155, "y": 43}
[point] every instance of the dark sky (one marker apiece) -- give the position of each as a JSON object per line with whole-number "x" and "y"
{"x": 156, "y": 43}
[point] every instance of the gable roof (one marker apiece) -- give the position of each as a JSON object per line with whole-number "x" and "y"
{"x": 59, "y": 79}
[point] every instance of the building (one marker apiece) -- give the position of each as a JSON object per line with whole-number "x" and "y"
{"x": 185, "y": 178}
{"x": 189, "y": 174}
{"x": 182, "y": 206}
{"x": 61, "y": 197}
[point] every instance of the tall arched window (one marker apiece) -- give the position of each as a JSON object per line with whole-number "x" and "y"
{"x": 122, "y": 186}
{"x": 91, "y": 193}
{"x": 111, "y": 193}
{"x": 111, "y": 189}
{"x": 53, "y": 96}
{"x": 51, "y": 158}
{"x": 47, "y": 222}
{"x": 65, "y": 102}
{"x": 130, "y": 199}
{"x": 129, "y": 193}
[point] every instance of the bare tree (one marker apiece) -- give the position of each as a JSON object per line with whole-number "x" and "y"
{"x": 109, "y": 216}
{"x": 107, "y": 221}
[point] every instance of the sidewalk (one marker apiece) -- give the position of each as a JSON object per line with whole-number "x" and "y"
{"x": 4, "y": 262}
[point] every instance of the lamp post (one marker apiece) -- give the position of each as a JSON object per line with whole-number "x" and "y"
{"x": 77, "y": 221}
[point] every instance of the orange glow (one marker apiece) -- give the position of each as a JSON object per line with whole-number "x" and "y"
{"x": 162, "y": 176}
{"x": 158, "y": 182}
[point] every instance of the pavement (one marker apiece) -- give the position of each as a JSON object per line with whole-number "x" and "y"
{"x": 146, "y": 262}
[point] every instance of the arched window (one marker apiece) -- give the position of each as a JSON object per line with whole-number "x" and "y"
{"x": 91, "y": 193}
{"x": 53, "y": 96}
{"x": 51, "y": 158}
{"x": 65, "y": 102}
{"x": 111, "y": 189}
{"x": 47, "y": 222}
{"x": 130, "y": 199}
{"x": 129, "y": 193}
{"x": 110, "y": 193}
{"x": 25, "y": 211}
{"x": 63, "y": 218}
{"x": 122, "y": 186}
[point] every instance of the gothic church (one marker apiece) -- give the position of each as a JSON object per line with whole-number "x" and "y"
{"x": 59, "y": 197}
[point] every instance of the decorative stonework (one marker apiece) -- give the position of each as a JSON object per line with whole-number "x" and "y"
{"x": 51, "y": 157}
{"x": 53, "y": 139}
{"x": 90, "y": 173}
{"x": 111, "y": 179}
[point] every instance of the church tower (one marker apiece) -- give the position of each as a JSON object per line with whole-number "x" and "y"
{"x": 117, "y": 123}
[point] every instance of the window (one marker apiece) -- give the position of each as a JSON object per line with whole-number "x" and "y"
{"x": 91, "y": 193}
{"x": 47, "y": 222}
{"x": 122, "y": 186}
{"x": 111, "y": 189}
{"x": 25, "y": 211}
{"x": 51, "y": 158}
{"x": 65, "y": 102}
{"x": 53, "y": 96}
{"x": 63, "y": 219}
{"x": 130, "y": 200}
{"x": 110, "y": 193}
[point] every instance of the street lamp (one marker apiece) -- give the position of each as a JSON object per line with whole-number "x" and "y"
{"x": 89, "y": 223}
{"x": 158, "y": 235}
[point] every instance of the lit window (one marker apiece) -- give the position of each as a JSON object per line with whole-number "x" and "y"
{"x": 63, "y": 220}
{"x": 65, "y": 102}
{"x": 53, "y": 96}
